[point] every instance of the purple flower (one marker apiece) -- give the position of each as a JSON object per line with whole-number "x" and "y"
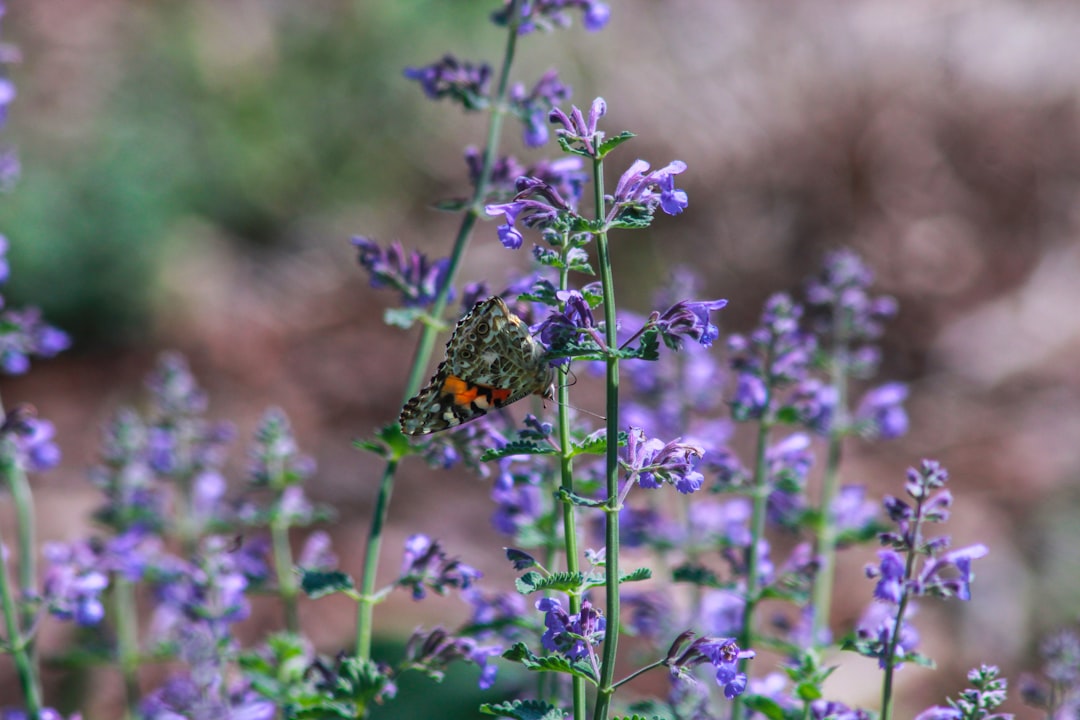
{"x": 890, "y": 572}
{"x": 647, "y": 613}
{"x": 722, "y": 612}
{"x": 533, "y": 107}
{"x": 425, "y": 566}
{"x": 538, "y": 203}
{"x": 636, "y": 192}
{"x": 46, "y": 714}
{"x": 574, "y": 636}
{"x": 560, "y": 328}
{"x": 191, "y": 696}
{"x": 433, "y": 651}
{"x": 578, "y": 132}
{"x": 875, "y": 631}
{"x": 418, "y": 279}
{"x": 74, "y": 582}
{"x": 651, "y": 463}
{"x": 723, "y": 654}
{"x": 551, "y": 14}
{"x": 174, "y": 389}
{"x": 518, "y": 498}
{"x": 274, "y": 455}
{"x": 689, "y": 319}
{"x": 495, "y": 614}
{"x": 951, "y": 574}
{"x": 851, "y": 511}
{"x": 25, "y": 334}
{"x": 33, "y": 439}
{"x": 317, "y": 552}
{"x": 882, "y": 413}
{"x": 461, "y": 81}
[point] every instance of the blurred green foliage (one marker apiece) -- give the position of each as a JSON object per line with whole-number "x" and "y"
{"x": 259, "y": 147}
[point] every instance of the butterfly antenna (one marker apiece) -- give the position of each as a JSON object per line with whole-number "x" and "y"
{"x": 555, "y": 399}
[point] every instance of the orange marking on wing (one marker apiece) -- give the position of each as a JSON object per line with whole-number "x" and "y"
{"x": 463, "y": 392}
{"x": 500, "y": 394}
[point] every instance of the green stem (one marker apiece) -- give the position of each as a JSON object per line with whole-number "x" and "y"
{"x": 566, "y": 469}
{"x": 426, "y": 345}
{"x": 760, "y": 497}
{"x": 24, "y": 526}
{"x": 24, "y": 665}
{"x": 612, "y": 507}
{"x": 366, "y": 606}
{"x": 288, "y": 588}
{"x": 826, "y": 529}
{"x": 127, "y": 641}
{"x": 890, "y": 651}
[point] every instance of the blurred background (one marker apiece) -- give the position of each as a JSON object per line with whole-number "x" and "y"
{"x": 193, "y": 172}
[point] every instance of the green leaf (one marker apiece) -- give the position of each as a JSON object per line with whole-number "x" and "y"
{"x": 697, "y": 575}
{"x": 317, "y": 583}
{"x": 451, "y": 204}
{"x": 567, "y": 582}
{"x": 613, "y": 142}
{"x": 523, "y": 710}
{"x": 578, "y": 260}
{"x": 518, "y": 447}
{"x": 764, "y": 705}
{"x": 403, "y": 318}
{"x": 578, "y": 500}
{"x": 564, "y": 144}
{"x": 808, "y": 691}
{"x": 787, "y": 415}
{"x": 549, "y": 663}
{"x": 642, "y": 573}
{"x": 548, "y": 257}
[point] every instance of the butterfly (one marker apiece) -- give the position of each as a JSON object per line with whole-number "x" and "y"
{"x": 491, "y": 361}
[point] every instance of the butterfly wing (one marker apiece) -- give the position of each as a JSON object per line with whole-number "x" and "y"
{"x": 491, "y": 361}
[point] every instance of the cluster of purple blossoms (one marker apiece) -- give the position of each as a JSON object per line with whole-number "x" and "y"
{"x": 651, "y": 463}
{"x": 74, "y": 582}
{"x": 1057, "y": 691}
{"x": 548, "y": 14}
{"x": 32, "y": 439}
{"x": 417, "y": 279}
{"x": 433, "y": 651}
{"x": 900, "y": 580}
{"x": 575, "y": 636}
{"x": 464, "y": 82}
{"x": 688, "y": 652}
{"x": 425, "y": 566}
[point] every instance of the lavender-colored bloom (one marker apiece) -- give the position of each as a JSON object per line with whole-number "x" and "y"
{"x": 840, "y": 295}
{"x": 25, "y": 334}
{"x": 433, "y": 651}
{"x": 46, "y": 714}
{"x": 317, "y": 552}
{"x": 723, "y": 654}
{"x": 579, "y": 132}
{"x": 566, "y": 175}
{"x": 751, "y": 397}
{"x": 875, "y": 630}
{"x": 722, "y": 612}
{"x": 33, "y": 439}
{"x": 74, "y": 582}
{"x": 951, "y": 574}
{"x": 647, "y": 613}
{"x": 130, "y": 553}
{"x": 416, "y": 278}
{"x": 275, "y": 458}
{"x": 504, "y": 174}
{"x": 425, "y": 566}
{"x": 851, "y": 510}
{"x": 187, "y": 696}
{"x": 719, "y": 523}
{"x": 461, "y": 81}
{"x": 518, "y": 499}
{"x": 881, "y": 411}
{"x": 833, "y": 710}
{"x": 574, "y": 636}
{"x": 174, "y": 389}
{"x": 652, "y": 462}
{"x": 639, "y": 191}
{"x": 560, "y": 328}
{"x": 815, "y": 403}
{"x": 690, "y": 320}
{"x": 538, "y": 204}
{"x": 551, "y": 14}
{"x": 496, "y": 614}
{"x": 890, "y": 574}
{"x": 533, "y": 107}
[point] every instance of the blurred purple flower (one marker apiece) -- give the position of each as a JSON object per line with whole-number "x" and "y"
{"x": 425, "y": 566}
{"x": 640, "y": 191}
{"x": 881, "y": 411}
{"x": 418, "y": 279}
{"x": 433, "y": 651}
{"x": 723, "y": 654}
{"x": 275, "y": 458}
{"x": 551, "y": 14}
{"x": 73, "y": 582}
{"x": 317, "y": 552}
{"x": 533, "y": 107}
{"x": 459, "y": 80}
{"x": 25, "y": 334}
